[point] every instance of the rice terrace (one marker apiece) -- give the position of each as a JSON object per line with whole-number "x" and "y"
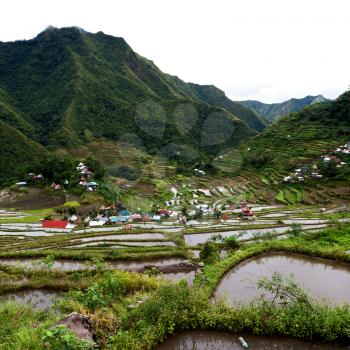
{"x": 141, "y": 211}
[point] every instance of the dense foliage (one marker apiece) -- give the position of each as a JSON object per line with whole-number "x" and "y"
{"x": 300, "y": 138}
{"x": 67, "y": 87}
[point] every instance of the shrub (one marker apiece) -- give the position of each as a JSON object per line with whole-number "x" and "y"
{"x": 209, "y": 252}
{"x": 231, "y": 242}
{"x": 60, "y": 338}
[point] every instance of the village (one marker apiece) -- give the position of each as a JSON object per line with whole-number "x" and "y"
{"x": 334, "y": 160}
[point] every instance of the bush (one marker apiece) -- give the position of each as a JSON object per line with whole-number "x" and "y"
{"x": 231, "y": 242}
{"x": 295, "y": 230}
{"x": 60, "y": 338}
{"x": 209, "y": 252}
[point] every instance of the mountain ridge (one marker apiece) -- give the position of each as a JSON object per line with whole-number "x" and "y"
{"x": 67, "y": 86}
{"x": 273, "y": 111}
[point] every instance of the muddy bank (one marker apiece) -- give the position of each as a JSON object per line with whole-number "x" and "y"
{"x": 35, "y": 198}
{"x": 184, "y": 266}
{"x": 212, "y": 340}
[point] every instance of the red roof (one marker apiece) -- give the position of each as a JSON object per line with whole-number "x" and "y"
{"x": 55, "y": 223}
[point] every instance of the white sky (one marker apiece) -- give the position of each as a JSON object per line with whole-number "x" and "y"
{"x": 270, "y": 50}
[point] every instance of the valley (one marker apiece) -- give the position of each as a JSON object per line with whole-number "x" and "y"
{"x": 139, "y": 211}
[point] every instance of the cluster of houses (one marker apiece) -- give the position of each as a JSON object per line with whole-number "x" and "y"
{"x": 300, "y": 174}
{"x": 109, "y": 216}
{"x": 345, "y": 149}
{"x": 33, "y": 178}
{"x": 84, "y": 174}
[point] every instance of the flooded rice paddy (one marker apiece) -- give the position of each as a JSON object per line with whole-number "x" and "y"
{"x": 75, "y": 265}
{"x": 40, "y": 299}
{"x": 212, "y": 340}
{"x": 193, "y": 239}
{"x": 321, "y": 278}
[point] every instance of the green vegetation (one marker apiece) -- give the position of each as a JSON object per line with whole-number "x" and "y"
{"x": 137, "y": 311}
{"x": 53, "y": 90}
{"x": 214, "y": 96}
{"x": 16, "y": 152}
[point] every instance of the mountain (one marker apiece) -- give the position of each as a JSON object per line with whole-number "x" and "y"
{"x": 214, "y": 96}
{"x": 275, "y": 110}
{"x": 299, "y": 138}
{"x": 67, "y": 87}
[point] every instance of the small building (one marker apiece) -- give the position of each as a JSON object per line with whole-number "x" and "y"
{"x": 118, "y": 218}
{"x": 247, "y": 212}
{"x": 163, "y": 212}
{"x": 136, "y": 217}
{"x": 96, "y": 223}
{"x": 124, "y": 212}
{"x": 199, "y": 172}
{"x": 55, "y": 186}
{"x": 57, "y": 225}
{"x": 287, "y": 179}
{"x": 21, "y": 184}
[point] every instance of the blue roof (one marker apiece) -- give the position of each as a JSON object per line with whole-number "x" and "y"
{"x": 119, "y": 219}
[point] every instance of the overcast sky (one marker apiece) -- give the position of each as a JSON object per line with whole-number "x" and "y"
{"x": 269, "y": 50}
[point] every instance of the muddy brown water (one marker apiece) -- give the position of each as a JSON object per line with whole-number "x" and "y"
{"x": 323, "y": 279}
{"x": 74, "y": 265}
{"x": 212, "y": 340}
{"x": 178, "y": 276}
{"x": 39, "y": 299}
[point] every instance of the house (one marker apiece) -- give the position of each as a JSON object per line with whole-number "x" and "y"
{"x": 92, "y": 184}
{"x": 146, "y": 218}
{"x": 119, "y": 218}
{"x": 73, "y": 218}
{"x": 287, "y": 179}
{"x": 57, "y": 225}
{"x": 136, "y": 217}
{"x": 247, "y": 212}
{"x": 124, "y": 212}
{"x": 156, "y": 218}
{"x": 96, "y": 222}
{"x": 199, "y": 172}
{"x": 21, "y": 184}
{"x": 163, "y": 212}
{"x": 55, "y": 186}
